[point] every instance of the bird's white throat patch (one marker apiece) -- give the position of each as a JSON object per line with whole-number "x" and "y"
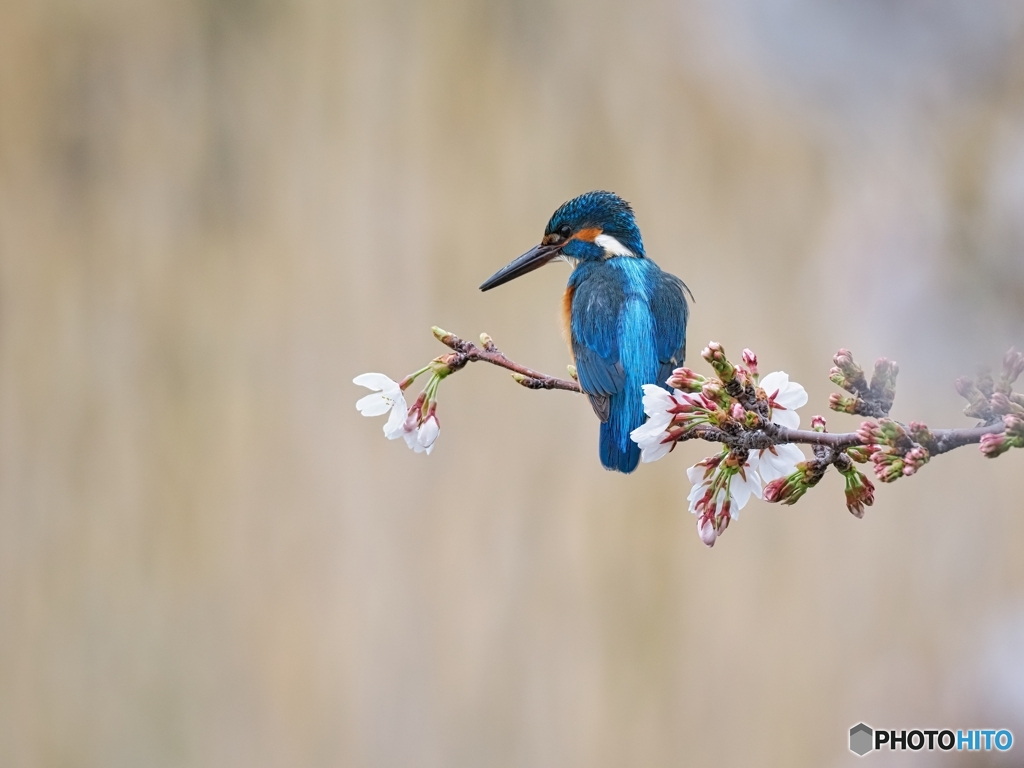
{"x": 611, "y": 246}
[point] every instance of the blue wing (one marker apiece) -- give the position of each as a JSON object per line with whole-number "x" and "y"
{"x": 593, "y": 324}
{"x": 668, "y": 305}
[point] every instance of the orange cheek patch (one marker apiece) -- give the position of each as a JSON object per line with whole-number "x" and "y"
{"x": 588, "y": 235}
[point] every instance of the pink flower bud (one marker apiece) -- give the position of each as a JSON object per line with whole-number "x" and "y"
{"x": 1013, "y": 366}
{"x": 773, "y": 492}
{"x": 851, "y": 375}
{"x": 869, "y": 433}
{"x": 914, "y": 459}
{"x": 888, "y": 466}
{"x": 861, "y": 453}
{"x": 842, "y": 403}
{"x": 750, "y": 361}
{"x": 843, "y": 358}
{"x": 1014, "y": 425}
{"x": 965, "y": 387}
{"x": 715, "y": 394}
{"x": 738, "y": 413}
{"x": 994, "y": 445}
{"x": 818, "y": 423}
{"x": 686, "y": 380}
{"x": 1002, "y": 405}
{"x": 715, "y": 355}
{"x": 706, "y": 531}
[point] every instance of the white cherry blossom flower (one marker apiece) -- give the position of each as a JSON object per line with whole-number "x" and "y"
{"x": 784, "y": 397}
{"x": 386, "y": 397}
{"x": 778, "y": 461}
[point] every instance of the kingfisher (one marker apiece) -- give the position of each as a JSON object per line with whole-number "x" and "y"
{"x": 625, "y": 318}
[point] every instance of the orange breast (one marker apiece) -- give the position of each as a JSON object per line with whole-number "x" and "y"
{"x": 567, "y": 317}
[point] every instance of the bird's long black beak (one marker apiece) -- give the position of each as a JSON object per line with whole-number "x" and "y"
{"x": 533, "y": 259}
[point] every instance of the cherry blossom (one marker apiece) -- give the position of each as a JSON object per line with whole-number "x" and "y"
{"x": 387, "y": 396}
{"x": 784, "y": 397}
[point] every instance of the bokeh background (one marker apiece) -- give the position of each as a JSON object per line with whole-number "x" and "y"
{"x": 213, "y": 214}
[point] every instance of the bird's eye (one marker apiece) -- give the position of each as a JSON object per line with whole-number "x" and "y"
{"x": 565, "y": 230}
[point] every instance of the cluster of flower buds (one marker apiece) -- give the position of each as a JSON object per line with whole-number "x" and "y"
{"x": 417, "y": 425}
{"x": 992, "y": 401}
{"x": 722, "y": 485}
{"x": 715, "y": 356}
{"x": 860, "y": 492}
{"x": 1012, "y": 437}
{"x": 709, "y": 498}
{"x": 988, "y": 399}
{"x": 1013, "y": 367}
{"x": 891, "y": 448}
{"x": 874, "y": 399}
{"x": 790, "y": 489}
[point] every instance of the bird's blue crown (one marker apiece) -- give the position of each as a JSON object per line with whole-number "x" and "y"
{"x": 603, "y": 211}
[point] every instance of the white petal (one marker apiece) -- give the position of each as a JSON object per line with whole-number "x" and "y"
{"x": 782, "y": 463}
{"x": 412, "y": 441}
{"x": 787, "y": 419}
{"x": 652, "y": 431}
{"x": 643, "y": 433}
{"x": 696, "y": 492}
{"x": 429, "y": 432}
{"x": 791, "y": 455}
{"x": 654, "y": 452}
{"x": 374, "y": 404}
{"x": 395, "y": 426}
{"x": 792, "y": 396}
{"x": 656, "y": 400}
{"x": 739, "y": 489}
{"x": 695, "y": 474}
{"x": 376, "y": 381}
{"x": 775, "y": 380}
{"x": 753, "y": 461}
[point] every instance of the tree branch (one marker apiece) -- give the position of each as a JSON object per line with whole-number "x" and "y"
{"x": 872, "y": 399}
{"x": 744, "y": 412}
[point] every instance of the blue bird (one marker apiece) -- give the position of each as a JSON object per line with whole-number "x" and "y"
{"x": 625, "y": 318}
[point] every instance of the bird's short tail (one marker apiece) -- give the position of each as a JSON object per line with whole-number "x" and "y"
{"x": 614, "y": 455}
{"x": 618, "y": 451}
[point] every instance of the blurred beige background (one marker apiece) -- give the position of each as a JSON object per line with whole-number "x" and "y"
{"x": 214, "y": 214}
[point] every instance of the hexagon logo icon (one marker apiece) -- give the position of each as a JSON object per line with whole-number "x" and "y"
{"x": 861, "y": 739}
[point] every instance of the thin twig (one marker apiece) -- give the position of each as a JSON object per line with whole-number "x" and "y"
{"x": 468, "y": 352}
